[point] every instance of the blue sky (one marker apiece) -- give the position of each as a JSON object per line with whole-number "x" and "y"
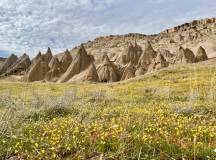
{"x": 32, "y": 25}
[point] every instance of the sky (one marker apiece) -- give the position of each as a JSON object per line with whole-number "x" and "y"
{"x": 32, "y": 25}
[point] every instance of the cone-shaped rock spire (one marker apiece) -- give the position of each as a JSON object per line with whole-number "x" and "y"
{"x": 131, "y": 54}
{"x": 8, "y": 63}
{"x": 55, "y": 70}
{"x": 78, "y": 65}
{"x": 201, "y": 55}
{"x": 185, "y": 56}
{"x": 21, "y": 64}
{"x": 66, "y": 60}
{"x": 148, "y": 55}
{"x": 107, "y": 71}
{"x": 49, "y": 54}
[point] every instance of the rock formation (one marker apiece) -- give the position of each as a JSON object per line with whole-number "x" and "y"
{"x": 39, "y": 70}
{"x": 79, "y": 64}
{"x": 185, "y": 56}
{"x": 148, "y": 55}
{"x": 107, "y": 71}
{"x": 167, "y": 55}
{"x": 129, "y": 72}
{"x": 36, "y": 57}
{"x": 66, "y": 60}
{"x": 90, "y": 74}
{"x": 158, "y": 63}
{"x": 140, "y": 71}
{"x": 201, "y": 55}
{"x": 131, "y": 54}
{"x": 54, "y": 62}
{"x": 20, "y": 65}
{"x": 8, "y": 63}
{"x": 55, "y": 70}
{"x": 49, "y": 55}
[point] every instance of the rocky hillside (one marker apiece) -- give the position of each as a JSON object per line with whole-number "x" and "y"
{"x": 119, "y": 57}
{"x": 192, "y": 35}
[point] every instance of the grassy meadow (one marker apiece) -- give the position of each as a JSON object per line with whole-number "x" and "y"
{"x": 169, "y": 114}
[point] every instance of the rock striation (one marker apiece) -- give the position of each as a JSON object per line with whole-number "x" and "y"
{"x": 66, "y": 60}
{"x": 90, "y": 74}
{"x": 20, "y": 66}
{"x": 38, "y": 70}
{"x": 55, "y": 70}
{"x": 81, "y": 62}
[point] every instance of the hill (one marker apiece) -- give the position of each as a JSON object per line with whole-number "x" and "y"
{"x": 192, "y": 35}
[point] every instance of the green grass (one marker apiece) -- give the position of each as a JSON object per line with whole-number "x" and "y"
{"x": 169, "y": 114}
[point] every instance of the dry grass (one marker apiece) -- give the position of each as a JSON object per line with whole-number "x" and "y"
{"x": 166, "y": 115}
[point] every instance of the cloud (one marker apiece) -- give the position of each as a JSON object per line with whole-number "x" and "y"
{"x": 33, "y": 25}
{"x": 156, "y": 1}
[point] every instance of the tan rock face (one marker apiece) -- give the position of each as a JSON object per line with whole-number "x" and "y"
{"x": 169, "y": 57}
{"x": 189, "y": 55}
{"x": 201, "y": 55}
{"x": 55, "y": 70}
{"x": 140, "y": 71}
{"x": 53, "y": 75}
{"x": 38, "y": 70}
{"x": 148, "y": 55}
{"x": 66, "y": 60}
{"x": 90, "y": 74}
{"x": 8, "y": 63}
{"x": 158, "y": 63}
{"x": 129, "y": 72}
{"x": 49, "y": 55}
{"x": 194, "y": 23}
{"x": 131, "y": 54}
{"x": 54, "y": 63}
{"x": 20, "y": 65}
{"x": 185, "y": 56}
{"x": 107, "y": 71}
{"x": 81, "y": 62}
{"x": 36, "y": 57}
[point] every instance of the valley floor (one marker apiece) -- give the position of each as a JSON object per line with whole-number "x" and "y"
{"x": 169, "y": 114}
